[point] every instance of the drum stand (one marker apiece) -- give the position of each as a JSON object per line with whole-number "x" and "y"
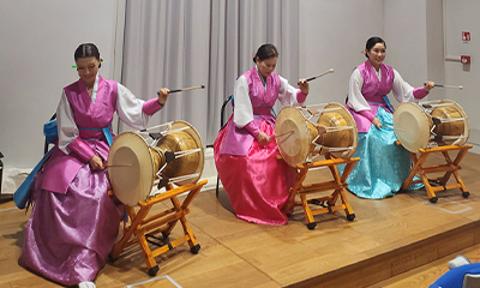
{"x": 144, "y": 228}
{"x": 450, "y": 168}
{"x": 328, "y": 203}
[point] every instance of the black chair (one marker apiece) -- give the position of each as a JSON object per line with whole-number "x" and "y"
{"x": 222, "y": 125}
{"x": 46, "y": 144}
{"x": 3, "y": 197}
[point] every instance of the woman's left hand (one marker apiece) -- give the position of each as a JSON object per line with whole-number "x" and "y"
{"x": 303, "y": 85}
{"x": 429, "y": 85}
{"x": 163, "y": 95}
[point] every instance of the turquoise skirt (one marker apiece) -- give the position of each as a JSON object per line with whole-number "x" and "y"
{"x": 383, "y": 164}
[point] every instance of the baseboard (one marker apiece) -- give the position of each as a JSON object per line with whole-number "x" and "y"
{"x": 475, "y": 140}
{"x": 209, "y": 171}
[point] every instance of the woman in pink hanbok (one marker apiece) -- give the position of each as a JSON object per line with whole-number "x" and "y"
{"x": 74, "y": 222}
{"x": 256, "y": 180}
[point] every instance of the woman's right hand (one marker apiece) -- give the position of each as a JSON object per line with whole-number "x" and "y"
{"x": 96, "y": 163}
{"x": 163, "y": 95}
{"x": 377, "y": 123}
{"x": 263, "y": 138}
{"x": 429, "y": 85}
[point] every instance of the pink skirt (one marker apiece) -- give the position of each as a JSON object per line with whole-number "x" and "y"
{"x": 258, "y": 183}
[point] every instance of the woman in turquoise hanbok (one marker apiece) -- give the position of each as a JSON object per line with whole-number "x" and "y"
{"x": 383, "y": 164}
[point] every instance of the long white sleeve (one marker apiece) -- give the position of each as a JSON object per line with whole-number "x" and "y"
{"x": 67, "y": 128}
{"x": 243, "y": 105}
{"x": 130, "y": 108}
{"x": 356, "y": 100}
{"x": 402, "y": 91}
{"x": 288, "y": 94}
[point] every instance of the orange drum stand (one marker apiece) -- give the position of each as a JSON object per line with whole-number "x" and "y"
{"x": 450, "y": 167}
{"x": 157, "y": 228}
{"x": 327, "y": 203}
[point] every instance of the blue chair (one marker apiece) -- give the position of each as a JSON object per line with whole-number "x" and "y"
{"x": 51, "y": 133}
{"x": 21, "y": 197}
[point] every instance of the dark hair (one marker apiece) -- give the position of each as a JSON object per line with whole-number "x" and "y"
{"x": 87, "y": 50}
{"x": 372, "y": 41}
{"x": 265, "y": 51}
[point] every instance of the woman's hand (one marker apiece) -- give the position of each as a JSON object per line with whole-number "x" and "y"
{"x": 96, "y": 163}
{"x": 263, "y": 138}
{"x": 429, "y": 85}
{"x": 303, "y": 85}
{"x": 377, "y": 123}
{"x": 163, "y": 95}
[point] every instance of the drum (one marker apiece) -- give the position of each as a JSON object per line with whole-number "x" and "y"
{"x": 304, "y": 133}
{"x": 136, "y": 162}
{"x": 429, "y": 124}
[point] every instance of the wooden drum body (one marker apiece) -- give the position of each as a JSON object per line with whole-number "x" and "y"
{"x": 135, "y": 163}
{"x": 432, "y": 123}
{"x": 304, "y": 133}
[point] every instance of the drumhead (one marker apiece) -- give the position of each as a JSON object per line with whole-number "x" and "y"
{"x": 452, "y": 128}
{"x": 131, "y": 169}
{"x": 292, "y": 136}
{"x": 339, "y": 118}
{"x": 466, "y": 124}
{"x": 187, "y": 138}
{"x": 412, "y": 126}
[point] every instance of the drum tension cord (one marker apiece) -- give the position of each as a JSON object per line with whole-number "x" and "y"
{"x": 156, "y": 135}
{"x": 317, "y": 202}
{"x": 159, "y": 241}
{"x": 169, "y": 157}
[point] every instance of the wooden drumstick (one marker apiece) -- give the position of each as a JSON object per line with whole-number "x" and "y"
{"x": 281, "y": 137}
{"x": 117, "y": 165}
{"x": 284, "y": 134}
{"x": 448, "y": 86}
{"x": 331, "y": 70}
{"x": 184, "y": 89}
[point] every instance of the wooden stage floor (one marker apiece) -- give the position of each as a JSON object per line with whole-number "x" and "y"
{"x": 388, "y": 238}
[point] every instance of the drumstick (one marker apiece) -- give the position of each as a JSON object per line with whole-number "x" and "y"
{"x": 118, "y": 165}
{"x": 331, "y": 70}
{"x": 448, "y": 86}
{"x": 184, "y": 89}
{"x": 283, "y": 134}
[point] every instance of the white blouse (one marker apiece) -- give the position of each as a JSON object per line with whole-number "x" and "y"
{"x": 402, "y": 91}
{"x": 243, "y": 105}
{"x": 128, "y": 107}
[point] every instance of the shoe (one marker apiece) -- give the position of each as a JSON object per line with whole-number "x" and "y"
{"x": 86, "y": 284}
{"x": 458, "y": 261}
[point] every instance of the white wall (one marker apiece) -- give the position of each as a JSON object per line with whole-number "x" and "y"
{"x": 39, "y": 37}
{"x": 405, "y": 30}
{"x": 36, "y": 57}
{"x": 333, "y": 34}
{"x": 414, "y": 36}
{"x": 435, "y": 51}
{"x": 462, "y": 15}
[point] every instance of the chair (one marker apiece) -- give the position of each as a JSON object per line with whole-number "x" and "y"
{"x": 22, "y": 194}
{"x": 3, "y": 198}
{"x": 50, "y": 139}
{"x": 222, "y": 125}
